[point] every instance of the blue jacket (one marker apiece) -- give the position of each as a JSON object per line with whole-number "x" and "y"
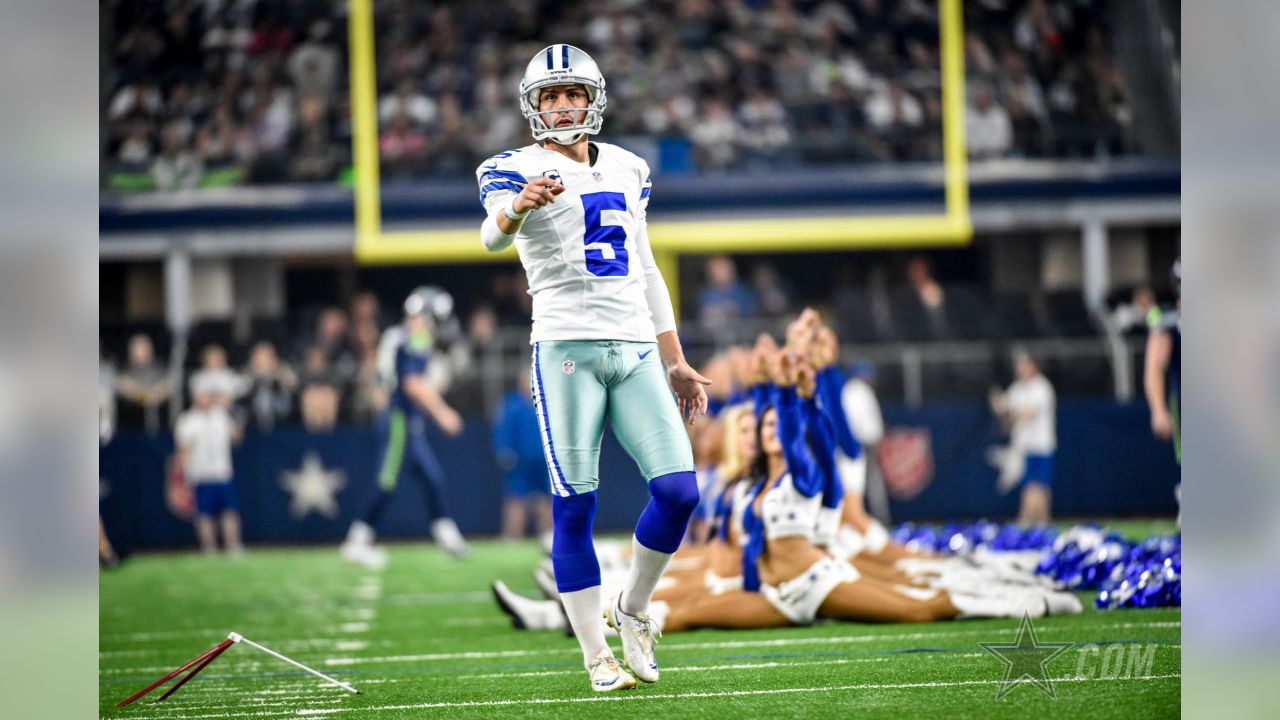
{"x": 517, "y": 441}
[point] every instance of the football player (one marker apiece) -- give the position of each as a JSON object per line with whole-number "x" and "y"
{"x": 604, "y": 345}
{"x": 403, "y": 355}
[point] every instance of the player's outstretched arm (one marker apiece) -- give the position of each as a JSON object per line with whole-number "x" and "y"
{"x": 500, "y": 227}
{"x": 425, "y": 394}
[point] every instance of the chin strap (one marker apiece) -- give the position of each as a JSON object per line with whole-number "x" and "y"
{"x": 561, "y": 141}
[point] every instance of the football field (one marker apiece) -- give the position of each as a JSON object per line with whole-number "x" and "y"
{"x": 423, "y": 638}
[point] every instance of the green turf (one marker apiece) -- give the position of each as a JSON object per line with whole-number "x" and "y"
{"x": 423, "y": 639}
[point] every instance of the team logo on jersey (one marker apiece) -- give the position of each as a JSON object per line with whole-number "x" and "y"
{"x": 597, "y": 177}
{"x": 568, "y": 367}
{"x": 553, "y": 175}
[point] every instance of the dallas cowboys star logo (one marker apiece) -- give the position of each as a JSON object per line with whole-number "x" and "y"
{"x": 1025, "y": 659}
{"x": 312, "y": 487}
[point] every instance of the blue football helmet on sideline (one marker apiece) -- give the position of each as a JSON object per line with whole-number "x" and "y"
{"x": 562, "y": 65}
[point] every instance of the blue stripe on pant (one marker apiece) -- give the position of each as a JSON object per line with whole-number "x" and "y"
{"x": 538, "y": 389}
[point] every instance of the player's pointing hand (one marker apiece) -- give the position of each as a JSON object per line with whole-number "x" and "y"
{"x": 537, "y": 194}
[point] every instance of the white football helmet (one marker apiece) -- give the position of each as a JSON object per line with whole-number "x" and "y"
{"x": 562, "y": 65}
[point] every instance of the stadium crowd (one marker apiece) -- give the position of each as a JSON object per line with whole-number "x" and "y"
{"x": 214, "y": 92}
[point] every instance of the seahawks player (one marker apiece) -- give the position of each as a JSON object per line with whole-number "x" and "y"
{"x": 402, "y": 362}
{"x": 1163, "y": 377}
{"x": 604, "y": 345}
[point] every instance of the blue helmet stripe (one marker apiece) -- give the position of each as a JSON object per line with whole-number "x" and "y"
{"x": 550, "y": 60}
{"x": 564, "y": 57}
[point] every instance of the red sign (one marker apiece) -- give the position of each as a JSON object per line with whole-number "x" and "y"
{"x": 906, "y": 460}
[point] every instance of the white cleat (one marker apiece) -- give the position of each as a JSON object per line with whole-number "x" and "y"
{"x": 446, "y": 533}
{"x": 366, "y": 555}
{"x": 639, "y": 634}
{"x": 607, "y": 675}
{"x": 358, "y": 548}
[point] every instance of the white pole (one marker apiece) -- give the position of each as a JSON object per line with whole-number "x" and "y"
{"x": 1096, "y": 259}
{"x": 237, "y": 637}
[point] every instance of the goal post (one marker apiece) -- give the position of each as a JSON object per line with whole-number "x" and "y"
{"x": 670, "y": 238}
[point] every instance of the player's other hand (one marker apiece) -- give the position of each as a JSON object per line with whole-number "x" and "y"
{"x": 1162, "y": 424}
{"x": 537, "y": 194}
{"x": 690, "y": 390}
{"x": 450, "y": 422}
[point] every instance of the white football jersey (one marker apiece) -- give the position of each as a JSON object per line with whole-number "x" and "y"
{"x": 586, "y": 254}
{"x": 1039, "y": 435}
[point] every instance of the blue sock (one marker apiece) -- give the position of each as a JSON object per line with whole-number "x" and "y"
{"x": 572, "y": 553}
{"x": 663, "y": 523}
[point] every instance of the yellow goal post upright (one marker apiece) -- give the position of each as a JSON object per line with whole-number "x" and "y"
{"x": 670, "y": 239}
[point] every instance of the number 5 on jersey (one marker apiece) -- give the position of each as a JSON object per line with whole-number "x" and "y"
{"x": 606, "y": 244}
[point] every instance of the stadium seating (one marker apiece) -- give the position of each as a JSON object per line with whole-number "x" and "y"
{"x": 212, "y": 94}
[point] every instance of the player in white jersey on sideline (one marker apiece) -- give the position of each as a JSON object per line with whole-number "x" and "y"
{"x": 575, "y": 210}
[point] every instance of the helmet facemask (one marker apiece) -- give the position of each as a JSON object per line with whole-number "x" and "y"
{"x": 540, "y": 121}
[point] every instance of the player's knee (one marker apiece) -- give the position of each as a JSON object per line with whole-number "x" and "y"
{"x": 573, "y": 517}
{"x": 676, "y": 492}
{"x": 572, "y": 553}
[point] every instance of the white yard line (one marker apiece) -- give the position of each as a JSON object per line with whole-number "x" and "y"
{"x": 690, "y": 668}
{"x": 640, "y": 697}
{"x": 282, "y": 702}
{"x": 285, "y": 646}
{"x": 472, "y": 621}
{"x": 361, "y": 613}
{"x": 440, "y": 598}
{"x": 727, "y": 644}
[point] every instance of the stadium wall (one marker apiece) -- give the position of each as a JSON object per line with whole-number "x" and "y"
{"x": 453, "y": 203}
{"x": 1108, "y": 465}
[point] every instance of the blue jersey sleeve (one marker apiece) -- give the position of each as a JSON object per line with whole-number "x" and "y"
{"x": 723, "y": 514}
{"x": 499, "y": 181}
{"x": 830, "y": 385}
{"x": 823, "y": 442}
{"x": 753, "y": 543}
{"x": 791, "y": 433}
{"x": 762, "y": 396}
